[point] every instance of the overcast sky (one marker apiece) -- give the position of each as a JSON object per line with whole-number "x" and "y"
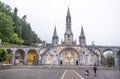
{"x": 100, "y": 18}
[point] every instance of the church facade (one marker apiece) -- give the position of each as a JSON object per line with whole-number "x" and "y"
{"x": 68, "y": 52}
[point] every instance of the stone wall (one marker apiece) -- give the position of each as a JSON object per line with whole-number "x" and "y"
{"x": 8, "y": 66}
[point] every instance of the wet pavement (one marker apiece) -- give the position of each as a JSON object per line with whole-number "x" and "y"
{"x": 101, "y": 74}
{"x": 71, "y": 74}
{"x": 31, "y": 74}
{"x": 57, "y": 74}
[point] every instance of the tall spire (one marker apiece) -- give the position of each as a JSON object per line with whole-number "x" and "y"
{"x": 68, "y": 11}
{"x": 68, "y": 22}
{"x": 55, "y": 33}
{"x": 68, "y": 17}
{"x": 82, "y": 32}
{"x": 68, "y": 36}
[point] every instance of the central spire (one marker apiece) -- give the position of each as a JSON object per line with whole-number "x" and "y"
{"x": 68, "y": 22}
{"x": 68, "y": 36}
{"x": 68, "y": 17}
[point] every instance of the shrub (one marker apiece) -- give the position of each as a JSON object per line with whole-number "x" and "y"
{"x": 3, "y": 54}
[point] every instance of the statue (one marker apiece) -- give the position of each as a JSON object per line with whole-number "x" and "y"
{"x": 36, "y": 60}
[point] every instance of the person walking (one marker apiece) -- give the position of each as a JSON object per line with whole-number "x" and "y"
{"x": 95, "y": 69}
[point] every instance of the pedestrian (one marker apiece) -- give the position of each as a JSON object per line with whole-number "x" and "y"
{"x": 95, "y": 69}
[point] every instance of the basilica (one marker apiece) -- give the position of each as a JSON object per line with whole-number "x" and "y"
{"x": 69, "y": 52}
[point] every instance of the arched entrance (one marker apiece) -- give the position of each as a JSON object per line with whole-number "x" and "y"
{"x": 69, "y": 57}
{"x": 19, "y": 57}
{"x": 31, "y": 56}
{"x": 9, "y": 59}
{"x": 108, "y": 58}
{"x": 118, "y": 54}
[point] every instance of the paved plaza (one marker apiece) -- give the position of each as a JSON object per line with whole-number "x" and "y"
{"x": 56, "y": 74}
{"x": 101, "y": 74}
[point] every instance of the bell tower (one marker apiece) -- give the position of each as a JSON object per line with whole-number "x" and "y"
{"x": 68, "y": 36}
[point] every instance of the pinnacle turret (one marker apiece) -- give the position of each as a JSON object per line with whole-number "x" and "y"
{"x": 55, "y": 37}
{"x": 55, "y": 33}
{"x": 82, "y": 35}
{"x": 82, "y": 39}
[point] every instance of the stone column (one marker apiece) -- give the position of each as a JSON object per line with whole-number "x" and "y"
{"x": 25, "y": 57}
{"x": 74, "y": 61}
{"x": 62, "y": 59}
{"x": 99, "y": 60}
{"x": 39, "y": 57}
{"x": 42, "y": 59}
{"x": 13, "y": 57}
{"x": 54, "y": 58}
{"x": 83, "y": 61}
{"x": 89, "y": 59}
{"x": 116, "y": 61}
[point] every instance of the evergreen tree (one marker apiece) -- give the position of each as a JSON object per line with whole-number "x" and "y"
{"x": 17, "y": 23}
